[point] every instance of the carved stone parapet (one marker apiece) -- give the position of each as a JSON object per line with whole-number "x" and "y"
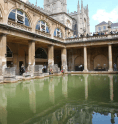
{"x": 43, "y": 33}
{"x": 58, "y": 38}
{"x": 19, "y": 26}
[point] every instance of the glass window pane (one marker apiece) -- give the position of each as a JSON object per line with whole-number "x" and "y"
{"x": 42, "y": 22}
{"x": 14, "y": 10}
{"x": 27, "y": 22}
{"x": 38, "y": 27}
{"x": 55, "y": 32}
{"x": 12, "y": 16}
{"x": 20, "y": 12}
{"x": 57, "y": 29}
{"x": 47, "y": 30}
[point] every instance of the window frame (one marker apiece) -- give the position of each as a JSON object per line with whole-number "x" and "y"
{"x": 23, "y": 15}
{"x": 41, "y": 23}
{"x": 104, "y": 27}
{"x": 60, "y": 32}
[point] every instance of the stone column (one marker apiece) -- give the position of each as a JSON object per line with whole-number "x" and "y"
{"x": 50, "y": 55}
{"x": 85, "y": 59}
{"x": 64, "y": 59}
{"x": 31, "y": 53}
{"x": 110, "y": 57}
{"x": 3, "y": 43}
{"x": 31, "y": 57}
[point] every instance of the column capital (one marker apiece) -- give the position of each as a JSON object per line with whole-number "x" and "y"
{"x": 3, "y": 34}
{"x": 31, "y": 40}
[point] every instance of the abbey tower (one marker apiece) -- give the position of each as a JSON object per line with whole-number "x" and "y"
{"x": 55, "y": 6}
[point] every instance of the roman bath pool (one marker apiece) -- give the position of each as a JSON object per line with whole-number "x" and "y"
{"x": 68, "y": 99}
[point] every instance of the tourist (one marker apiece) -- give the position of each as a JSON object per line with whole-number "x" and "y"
{"x": 115, "y": 67}
{"x": 51, "y": 71}
{"x": 22, "y": 69}
{"x": 62, "y": 71}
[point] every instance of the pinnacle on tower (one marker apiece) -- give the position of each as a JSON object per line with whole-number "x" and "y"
{"x": 78, "y": 4}
{"x": 81, "y": 4}
{"x": 78, "y": 7}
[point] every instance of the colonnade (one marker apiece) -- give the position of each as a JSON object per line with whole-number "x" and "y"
{"x": 109, "y": 56}
{"x": 31, "y": 53}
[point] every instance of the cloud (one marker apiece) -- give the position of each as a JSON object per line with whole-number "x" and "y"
{"x": 102, "y": 15}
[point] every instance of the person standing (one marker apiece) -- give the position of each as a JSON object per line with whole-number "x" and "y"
{"x": 115, "y": 67}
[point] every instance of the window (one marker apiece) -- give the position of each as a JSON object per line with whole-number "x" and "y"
{"x": 42, "y": 26}
{"x": 104, "y": 27}
{"x": 19, "y": 17}
{"x": 58, "y": 33}
{"x": 99, "y": 28}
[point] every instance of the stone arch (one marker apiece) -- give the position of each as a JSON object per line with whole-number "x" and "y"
{"x": 41, "y": 53}
{"x": 100, "y": 61}
{"x": 79, "y": 60}
{"x": 27, "y": 13}
{"x": 48, "y": 24}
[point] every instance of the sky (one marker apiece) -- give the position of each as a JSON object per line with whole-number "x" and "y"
{"x": 99, "y": 10}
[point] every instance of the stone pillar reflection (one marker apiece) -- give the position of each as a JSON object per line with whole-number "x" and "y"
{"x": 64, "y": 86}
{"x": 50, "y": 55}
{"x": 3, "y": 106}
{"x": 64, "y": 59}
{"x": 111, "y": 87}
{"x": 51, "y": 90}
{"x": 85, "y": 59}
{"x": 86, "y": 86}
{"x": 110, "y": 57}
{"x": 3, "y": 44}
{"x": 32, "y": 96}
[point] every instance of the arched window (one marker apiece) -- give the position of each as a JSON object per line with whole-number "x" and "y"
{"x": 19, "y": 16}
{"x": 58, "y": 33}
{"x": 40, "y": 53}
{"x": 42, "y": 26}
{"x": 9, "y": 52}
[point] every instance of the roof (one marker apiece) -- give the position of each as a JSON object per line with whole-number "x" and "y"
{"x": 102, "y": 23}
{"x": 114, "y": 25}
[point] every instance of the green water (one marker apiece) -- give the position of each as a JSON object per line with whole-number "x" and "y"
{"x": 68, "y": 99}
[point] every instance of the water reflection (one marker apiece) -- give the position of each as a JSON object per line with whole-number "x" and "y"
{"x": 68, "y": 99}
{"x": 51, "y": 90}
{"x": 64, "y": 85}
{"x": 3, "y": 105}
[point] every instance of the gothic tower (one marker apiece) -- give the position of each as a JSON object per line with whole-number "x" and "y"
{"x": 55, "y": 6}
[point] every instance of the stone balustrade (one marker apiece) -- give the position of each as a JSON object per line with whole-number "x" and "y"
{"x": 92, "y": 38}
{"x": 43, "y": 33}
{"x": 19, "y": 26}
{"x": 59, "y": 39}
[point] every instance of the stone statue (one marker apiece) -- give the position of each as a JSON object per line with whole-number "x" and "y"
{"x": 109, "y": 24}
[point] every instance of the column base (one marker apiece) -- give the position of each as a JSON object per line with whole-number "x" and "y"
{"x": 110, "y": 70}
{"x": 85, "y": 70}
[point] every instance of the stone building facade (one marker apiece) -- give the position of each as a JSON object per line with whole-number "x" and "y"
{"x": 30, "y": 35}
{"x": 103, "y": 27}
